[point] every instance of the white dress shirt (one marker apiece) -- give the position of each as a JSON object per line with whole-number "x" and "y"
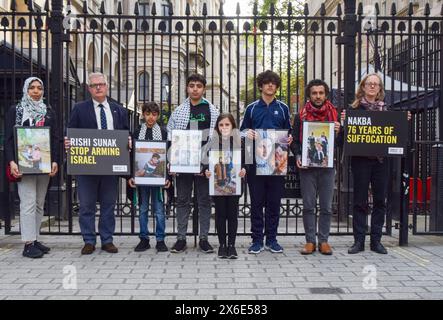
{"x": 108, "y": 113}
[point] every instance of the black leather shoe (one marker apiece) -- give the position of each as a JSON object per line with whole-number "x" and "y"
{"x": 356, "y": 248}
{"x": 378, "y": 247}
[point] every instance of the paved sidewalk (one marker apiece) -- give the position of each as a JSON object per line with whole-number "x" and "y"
{"x": 414, "y": 272}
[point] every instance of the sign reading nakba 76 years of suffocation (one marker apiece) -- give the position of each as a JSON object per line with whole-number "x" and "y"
{"x": 376, "y": 133}
{"x": 98, "y": 152}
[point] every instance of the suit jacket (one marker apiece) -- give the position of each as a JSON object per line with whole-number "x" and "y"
{"x": 318, "y": 157}
{"x": 83, "y": 116}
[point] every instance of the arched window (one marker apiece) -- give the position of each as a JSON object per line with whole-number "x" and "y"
{"x": 166, "y": 87}
{"x": 165, "y": 12}
{"x": 143, "y": 87}
{"x": 145, "y": 11}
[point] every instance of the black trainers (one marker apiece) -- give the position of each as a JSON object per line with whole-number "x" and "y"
{"x": 42, "y": 247}
{"x": 161, "y": 246}
{"x": 179, "y": 246}
{"x": 232, "y": 252}
{"x": 31, "y": 251}
{"x": 222, "y": 252}
{"x": 143, "y": 245}
{"x": 205, "y": 246}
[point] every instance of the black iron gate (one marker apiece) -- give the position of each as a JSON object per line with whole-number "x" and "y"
{"x": 147, "y": 51}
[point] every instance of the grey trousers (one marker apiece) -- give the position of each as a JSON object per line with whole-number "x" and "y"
{"x": 313, "y": 182}
{"x": 32, "y": 192}
{"x": 184, "y": 197}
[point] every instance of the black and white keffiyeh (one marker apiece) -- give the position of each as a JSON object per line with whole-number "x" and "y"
{"x": 180, "y": 117}
{"x": 156, "y": 132}
{"x": 29, "y": 109}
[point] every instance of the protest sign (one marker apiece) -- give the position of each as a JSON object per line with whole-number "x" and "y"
{"x": 376, "y": 133}
{"x": 98, "y": 152}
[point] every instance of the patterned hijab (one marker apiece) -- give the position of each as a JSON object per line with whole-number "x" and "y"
{"x": 29, "y": 109}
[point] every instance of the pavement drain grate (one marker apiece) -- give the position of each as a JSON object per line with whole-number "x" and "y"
{"x": 326, "y": 290}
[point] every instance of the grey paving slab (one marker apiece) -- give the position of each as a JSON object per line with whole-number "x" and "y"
{"x": 413, "y": 272}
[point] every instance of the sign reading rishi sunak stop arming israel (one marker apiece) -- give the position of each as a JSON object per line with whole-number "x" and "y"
{"x": 376, "y": 133}
{"x": 98, "y": 152}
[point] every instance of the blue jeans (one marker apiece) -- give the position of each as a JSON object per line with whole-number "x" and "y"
{"x": 158, "y": 209}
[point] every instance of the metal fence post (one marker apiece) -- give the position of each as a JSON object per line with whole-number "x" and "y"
{"x": 348, "y": 40}
{"x": 440, "y": 107}
{"x": 404, "y": 204}
{"x": 57, "y": 189}
{"x": 56, "y": 27}
{"x": 350, "y": 37}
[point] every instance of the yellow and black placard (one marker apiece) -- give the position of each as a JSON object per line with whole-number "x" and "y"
{"x": 98, "y": 152}
{"x": 375, "y": 133}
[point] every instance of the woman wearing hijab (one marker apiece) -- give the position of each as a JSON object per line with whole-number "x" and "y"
{"x": 31, "y": 111}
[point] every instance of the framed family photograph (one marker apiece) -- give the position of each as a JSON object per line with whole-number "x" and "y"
{"x": 150, "y": 163}
{"x": 318, "y": 144}
{"x": 225, "y": 167}
{"x": 271, "y": 152}
{"x": 185, "y": 151}
{"x": 33, "y": 149}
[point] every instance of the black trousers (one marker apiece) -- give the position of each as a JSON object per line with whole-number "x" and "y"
{"x": 226, "y": 210}
{"x": 365, "y": 171}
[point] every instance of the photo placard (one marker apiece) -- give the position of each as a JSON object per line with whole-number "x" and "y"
{"x": 33, "y": 150}
{"x": 318, "y": 144}
{"x": 271, "y": 152}
{"x": 150, "y": 163}
{"x": 185, "y": 151}
{"x": 225, "y": 167}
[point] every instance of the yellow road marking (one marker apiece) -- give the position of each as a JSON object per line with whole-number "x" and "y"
{"x": 411, "y": 256}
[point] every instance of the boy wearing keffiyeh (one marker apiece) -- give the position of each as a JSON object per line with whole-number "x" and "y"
{"x": 150, "y": 130}
{"x": 194, "y": 113}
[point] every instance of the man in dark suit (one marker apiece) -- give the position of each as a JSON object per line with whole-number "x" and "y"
{"x": 318, "y": 154}
{"x": 97, "y": 113}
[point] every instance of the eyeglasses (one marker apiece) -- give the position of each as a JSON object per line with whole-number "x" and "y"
{"x": 97, "y": 85}
{"x": 372, "y": 84}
